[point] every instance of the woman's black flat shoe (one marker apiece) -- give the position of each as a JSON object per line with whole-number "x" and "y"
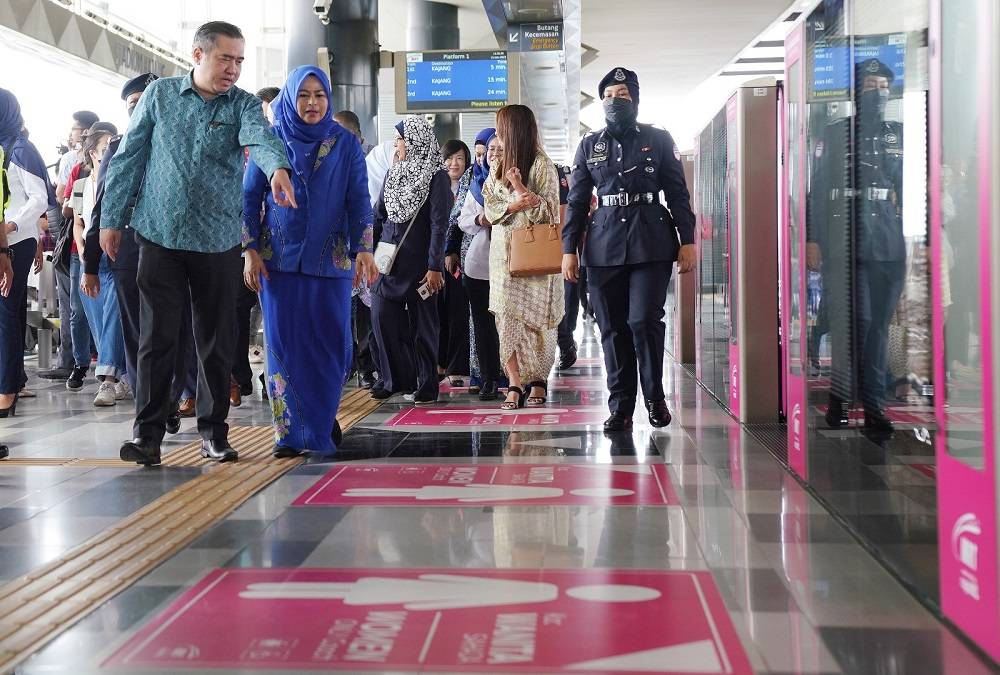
{"x": 281, "y": 452}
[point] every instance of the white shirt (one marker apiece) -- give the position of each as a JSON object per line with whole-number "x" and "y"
{"x": 477, "y": 260}
{"x": 66, "y": 164}
{"x": 378, "y": 162}
{"x": 29, "y": 200}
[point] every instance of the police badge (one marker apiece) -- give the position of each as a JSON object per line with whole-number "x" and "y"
{"x": 619, "y": 75}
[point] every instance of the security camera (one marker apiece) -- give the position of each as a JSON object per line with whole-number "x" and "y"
{"x": 322, "y": 10}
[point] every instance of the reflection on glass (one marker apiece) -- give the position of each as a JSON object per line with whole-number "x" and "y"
{"x": 732, "y": 211}
{"x": 960, "y": 269}
{"x": 794, "y": 126}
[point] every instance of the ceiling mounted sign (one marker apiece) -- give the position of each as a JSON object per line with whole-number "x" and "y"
{"x": 535, "y": 37}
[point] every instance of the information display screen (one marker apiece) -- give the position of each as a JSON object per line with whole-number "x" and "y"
{"x": 453, "y": 81}
{"x": 834, "y": 59}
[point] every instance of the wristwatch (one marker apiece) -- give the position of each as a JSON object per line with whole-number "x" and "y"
{"x": 7, "y": 251}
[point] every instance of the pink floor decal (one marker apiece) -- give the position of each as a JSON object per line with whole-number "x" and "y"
{"x": 444, "y": 620}
{"x": 495, "y": 484}
{"x": 487, "y": 417}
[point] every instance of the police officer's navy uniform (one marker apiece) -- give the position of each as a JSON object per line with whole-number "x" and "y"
{"x": 630, "y": 247}
{"x": 571, "y": 291}
{"x": 863, "y": 270}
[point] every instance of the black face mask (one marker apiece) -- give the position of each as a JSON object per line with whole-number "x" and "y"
{"x": 871, "y": 105}
{"x": 619, "y": 113}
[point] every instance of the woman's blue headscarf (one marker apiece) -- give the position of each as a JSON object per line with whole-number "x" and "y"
{"x": 481, "y": 172}
{"x": 301, "y": 139}
{"x": 11, "y": 121}
{"x": 17, "y": 149}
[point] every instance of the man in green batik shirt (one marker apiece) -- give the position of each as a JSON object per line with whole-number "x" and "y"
{"x": 182, "y": 162}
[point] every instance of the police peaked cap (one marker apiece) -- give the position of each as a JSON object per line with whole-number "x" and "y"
{"x": 138, "y": 84}
{"x": 876, "y": 68}
{"x": 620, "y": 76}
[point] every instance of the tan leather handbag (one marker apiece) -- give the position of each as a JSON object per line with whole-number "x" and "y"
{"x": 536, "y": 250}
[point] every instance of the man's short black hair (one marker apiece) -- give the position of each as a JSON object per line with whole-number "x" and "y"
{"x": 208, "y": 33}
{"x": 268, "y": 94}
{"x": 85, "y": 118}
{"x": 349, "y": 119}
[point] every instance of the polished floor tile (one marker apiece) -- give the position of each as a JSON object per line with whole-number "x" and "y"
{"x": 790, "y": 583}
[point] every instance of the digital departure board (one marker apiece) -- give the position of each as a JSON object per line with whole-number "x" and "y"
{"x": 834, "y": 59}
{"x": 452, "y": 81}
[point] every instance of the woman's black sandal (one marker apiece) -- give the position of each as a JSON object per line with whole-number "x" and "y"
{"x": 538, "y": 400}
{"x": 513, "y": 405}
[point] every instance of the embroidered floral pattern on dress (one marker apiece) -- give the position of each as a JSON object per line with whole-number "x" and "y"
{"x": 245, "y": 237}
{"x": 279, "y": 407}
{"x": 341, "y": 255}
{"x": 366, "y": 244}
{"x": 324, "y": 149}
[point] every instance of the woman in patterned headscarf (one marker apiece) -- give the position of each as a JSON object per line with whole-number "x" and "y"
{"x": 523, "y": 189}
{"x": 414, "y": 208}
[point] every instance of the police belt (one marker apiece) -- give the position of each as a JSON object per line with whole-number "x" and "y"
{"x": 625, "y": 199}
{"x": 873, "y": 194}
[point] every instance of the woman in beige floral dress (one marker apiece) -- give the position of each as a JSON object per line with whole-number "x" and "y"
{"x": 527, "y": 309}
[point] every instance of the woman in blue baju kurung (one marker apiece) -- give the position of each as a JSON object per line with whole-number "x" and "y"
{"x": 304, "y": 262}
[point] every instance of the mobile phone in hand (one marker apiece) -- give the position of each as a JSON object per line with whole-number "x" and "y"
{"x": 424, "y": 291}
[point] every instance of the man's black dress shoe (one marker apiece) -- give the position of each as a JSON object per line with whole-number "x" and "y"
{"x": 220, "y": 451}
{"x": 659, "y": 414}
{"x": 381, "y": 394}
{"x": 174, "y": 420}
{"x": 567, "y": 358}
{"x": 877, "y": 423}
{"x": 246, "y": 389}
{"x": 366, "y": 380}
{"x": 489, "y": 391}
{"x": 337, "y": 435}
{"x": 618, "y": 422}
{"x": 4, "y": 452}
{"x": 836, "y": 415}
{"x": 142, "y": 451}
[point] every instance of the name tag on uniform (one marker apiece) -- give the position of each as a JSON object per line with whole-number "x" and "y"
{"x": 599, "y": 153}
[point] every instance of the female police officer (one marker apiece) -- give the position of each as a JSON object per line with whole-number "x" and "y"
{"x": 631, "y": 244}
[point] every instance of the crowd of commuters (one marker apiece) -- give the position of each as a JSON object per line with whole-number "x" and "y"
{"x": 390, "y": 262}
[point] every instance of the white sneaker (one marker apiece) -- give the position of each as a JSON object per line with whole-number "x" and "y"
{"x": 105, "y": 395}
{"x": 409, "y": 398}
{"x": 122, "y": 391}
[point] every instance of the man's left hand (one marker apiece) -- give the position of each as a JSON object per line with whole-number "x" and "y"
{"x": 365, "y": 269}
{"x": 687, "y": 259}
{"x": 282, "y": 190}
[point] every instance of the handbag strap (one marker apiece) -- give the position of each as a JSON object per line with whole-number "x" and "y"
{"x": 412, "y": 219}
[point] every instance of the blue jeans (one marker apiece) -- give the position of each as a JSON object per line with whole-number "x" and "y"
{"x": 79, "y": 329}
{"x": 104, "y": 318}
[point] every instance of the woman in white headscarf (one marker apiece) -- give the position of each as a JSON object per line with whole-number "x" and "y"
{"x": 413, "y": 209}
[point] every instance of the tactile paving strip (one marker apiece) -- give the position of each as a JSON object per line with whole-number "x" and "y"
{"x": 354, "y": 407}
{"x": 35, "y": 608}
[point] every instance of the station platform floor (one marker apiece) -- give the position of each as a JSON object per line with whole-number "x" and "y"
{"x": 451, "y": 538}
